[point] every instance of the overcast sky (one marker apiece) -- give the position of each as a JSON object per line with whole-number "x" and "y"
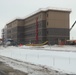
{"x": 12, "y": 9}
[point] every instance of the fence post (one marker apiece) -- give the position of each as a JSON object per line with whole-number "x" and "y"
{"x": 53, "y": 61}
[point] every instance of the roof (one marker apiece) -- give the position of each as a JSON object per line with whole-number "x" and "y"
{"x": 56, "y": 9}
{"x": 44, "y": 10}
{"x": 14, "y": 20}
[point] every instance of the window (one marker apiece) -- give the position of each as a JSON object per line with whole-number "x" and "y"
{"x": 47, "y": 15}
{"x": 40, "y": 15}
{"x": 47, "y": 23}
{"x": 47, "y": 32}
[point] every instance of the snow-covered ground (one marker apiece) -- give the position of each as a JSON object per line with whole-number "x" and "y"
{"x": 62, "y": 58}
{"x": 27, "y": 68}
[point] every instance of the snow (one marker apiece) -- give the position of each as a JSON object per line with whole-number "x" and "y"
{"x": 62, "y": 58}
{"x": 28, "y": 68}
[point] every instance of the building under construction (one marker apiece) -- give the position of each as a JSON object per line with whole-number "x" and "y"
{"x": 49, "y": 24}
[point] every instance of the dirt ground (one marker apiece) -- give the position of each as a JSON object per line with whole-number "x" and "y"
{"x": 6, "y": 70}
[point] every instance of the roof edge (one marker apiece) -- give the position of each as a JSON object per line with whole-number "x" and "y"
{"x": 47, "y": 9}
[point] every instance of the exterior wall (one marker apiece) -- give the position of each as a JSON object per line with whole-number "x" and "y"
{"x": 53, "y": 26}
{"x": 56, "y": 34}
{"x": 57, "y": 25}
{"x": 16, "y": 31}
{"x": 30, "y": 28}
{"x": 12, "y": 30}
{"x": 4, "y": 36}
{"x": 57, "y": 19}
{"x": 20, "y": 34}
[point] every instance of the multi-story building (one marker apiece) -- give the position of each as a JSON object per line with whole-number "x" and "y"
{"x": 4, "y": 34}
{"x": 35, "y": 28}
{"x": 15, "y": 30}
{"x": 50, "y": 25}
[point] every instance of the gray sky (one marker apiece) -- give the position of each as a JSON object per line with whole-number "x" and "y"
{"x": 12, "y": 9}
